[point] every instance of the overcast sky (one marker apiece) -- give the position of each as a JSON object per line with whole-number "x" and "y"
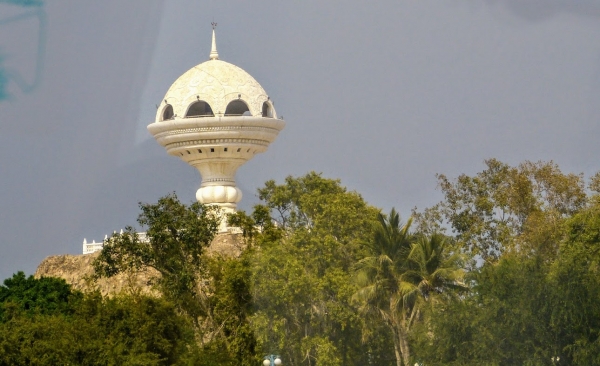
{"x": 382, "y": 95}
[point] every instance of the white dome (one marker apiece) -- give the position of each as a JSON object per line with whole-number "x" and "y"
{"x": 217, "y": 83}
{"x": 216, "y": 117}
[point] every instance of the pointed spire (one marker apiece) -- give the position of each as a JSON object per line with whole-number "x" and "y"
{"x": 213, "y": 51}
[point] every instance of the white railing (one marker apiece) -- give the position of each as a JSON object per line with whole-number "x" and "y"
{"x": 89, "y": 248}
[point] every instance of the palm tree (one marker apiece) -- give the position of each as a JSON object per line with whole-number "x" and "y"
{"x": 430, "y": 273}
{"x": 432, "y": 270}
{"x": 379, "y": 277}
{"x": 401, "y": 273}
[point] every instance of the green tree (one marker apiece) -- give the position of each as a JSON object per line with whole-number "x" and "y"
{"x": 432, "y": 270}
{"x": 533, "y": 301}
{"x": 232, "y": 307}
{"x": 506, "y": 208}
{"x": 132, "y": 331}
{"x": 213, "y": 291}
{"x": 594, "y": 184}
{"x": 301, "y": 271}
{"x": 575, "y": 279}
{"x": 176, "y": 238}
{"x": 49, "y": 324}
{"x": 505, "y": 320}
{"x": 46, "y": 295}
{"x": 379, "y": 277}
{"x": 401, "y": 274}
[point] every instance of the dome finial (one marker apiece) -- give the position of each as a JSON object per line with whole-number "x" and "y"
{"x": 213, "y": 51}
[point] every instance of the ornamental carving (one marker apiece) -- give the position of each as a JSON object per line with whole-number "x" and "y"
{"x": 217, "y": 83}
{"x": 220, "y": 128}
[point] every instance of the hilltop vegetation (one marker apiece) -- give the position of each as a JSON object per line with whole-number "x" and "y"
{"x": 503, "y": 271}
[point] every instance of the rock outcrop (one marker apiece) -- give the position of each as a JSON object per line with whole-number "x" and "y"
{"x": 77, "y": 270}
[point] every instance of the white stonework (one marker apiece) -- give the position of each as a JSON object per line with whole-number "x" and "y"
{"x": 93, "y": 247}
{"x": 216, "y": 117}
{"x": 217, "y": 83}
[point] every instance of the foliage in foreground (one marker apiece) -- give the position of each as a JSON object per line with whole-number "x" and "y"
{"x": 212, "y": 293}
{"x": 177, "y": 236}
{"x": 402, "y": 275}
{"x": 46, "y": 323}
{"x": 302, "y": 272}
{"x": 327, "y": 279}
{"x": 535, "y": 302}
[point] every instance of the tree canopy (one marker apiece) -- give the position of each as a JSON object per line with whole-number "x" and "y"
{"x": 45, "y": 322}
{"x": 175, "y": 240}
{"x": 533, "y": 301}
{"x": 506, "y": 208}
{"x": 41, "y": 296}
{"x": 503, "y": 271}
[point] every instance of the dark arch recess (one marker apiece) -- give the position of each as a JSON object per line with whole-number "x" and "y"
{"x": 236, "y": 108}
{"x": 200, "y": 109}
{"x": 267, "y": 110}
{"x": 167, "y": 113}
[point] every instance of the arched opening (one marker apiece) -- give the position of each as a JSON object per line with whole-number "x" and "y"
{"x": 236, "y": 108}
{"x": 167, "y": 113}
{"x": 200, "y": 109}
{"x": 267, "y": 110}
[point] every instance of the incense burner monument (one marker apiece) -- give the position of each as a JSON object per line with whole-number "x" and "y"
{"x": 216, "y": 117}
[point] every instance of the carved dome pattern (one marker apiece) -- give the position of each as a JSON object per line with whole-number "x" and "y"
{"x": 217, "y": 83}
{"x": 215, "y": 139}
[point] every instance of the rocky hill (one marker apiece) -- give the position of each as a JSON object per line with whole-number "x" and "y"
{"x": 77, "y": 269}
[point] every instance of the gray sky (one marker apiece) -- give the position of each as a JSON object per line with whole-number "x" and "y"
{"x": 380, "y": 94}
